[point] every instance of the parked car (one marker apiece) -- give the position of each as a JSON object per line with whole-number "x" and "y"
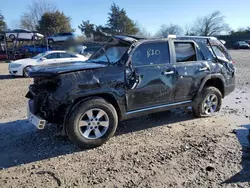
{"x": 39, "y": 48}
{"x": 23, "y": 34}
{"x": 241, "y": 45}
{"x": 19, "y": 67}
{"x": 130, "y": 77}
{"x": 59, "y": 37}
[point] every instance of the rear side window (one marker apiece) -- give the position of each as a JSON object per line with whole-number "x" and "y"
{"x": 65, "y": 55}
{"x": 151, "y": 53}
{"x": 185, "y": 51}
{"x": 66, "y": 34}
{"x": 52, "y": 56}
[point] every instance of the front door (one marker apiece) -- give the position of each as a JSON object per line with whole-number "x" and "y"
{"x": 153, "y": 81}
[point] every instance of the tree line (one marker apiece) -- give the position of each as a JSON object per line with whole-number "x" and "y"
{"x": 45, "y": 18}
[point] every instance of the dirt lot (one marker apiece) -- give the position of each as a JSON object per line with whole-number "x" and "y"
{"x": 170, "y": 149}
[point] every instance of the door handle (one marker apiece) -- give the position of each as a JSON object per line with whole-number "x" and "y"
{"x": 168, "y": 72}
{"x": 203, "y": 68}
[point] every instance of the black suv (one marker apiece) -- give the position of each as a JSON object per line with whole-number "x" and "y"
{"x": 129, "y": 77}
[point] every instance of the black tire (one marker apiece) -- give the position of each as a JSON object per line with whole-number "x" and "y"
{"x": 199, "y": 101}
{"x": 72, "y": 125}
{"x": 25, "y": 72}
{"x": 12, "y": 37}
{"x": 50, "y": 41}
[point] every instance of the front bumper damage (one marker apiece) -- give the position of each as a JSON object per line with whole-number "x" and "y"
{"x": 37, "y": 121}
{"x": 44, "y": 106}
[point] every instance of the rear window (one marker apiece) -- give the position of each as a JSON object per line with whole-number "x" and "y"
{"x": 151, "y": 53}
{"x": 185, "y": 51}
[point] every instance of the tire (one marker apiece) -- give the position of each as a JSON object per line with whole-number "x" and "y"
{"x": 88, "y": 136}
{"x": 25, "y": 72}
{"x": 207, "y": 103}
{"x": 50, "y": 41}
{"x": 12, "y": 37}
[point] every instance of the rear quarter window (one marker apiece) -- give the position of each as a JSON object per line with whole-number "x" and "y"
{"x": 185, "y": 51}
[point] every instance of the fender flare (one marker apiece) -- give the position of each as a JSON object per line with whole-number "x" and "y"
{"x": 209, "y": 77}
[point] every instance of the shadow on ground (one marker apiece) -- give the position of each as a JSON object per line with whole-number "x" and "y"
{"x": 244, "y": 139}
{"x": 22, "y": 143}
{"x": 9, "y": 77}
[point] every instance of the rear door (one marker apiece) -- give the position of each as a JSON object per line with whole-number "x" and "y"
{"x": 23, "y": 34}
{"x": 64, "y": 36}
{"x": 67, "y": 57}
{"x": 51, "y": 58}
{"x": 189, "y": 67}
{"x": 155, "y": 85}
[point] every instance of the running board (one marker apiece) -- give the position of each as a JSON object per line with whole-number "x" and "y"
{"x": 157, "y": 107}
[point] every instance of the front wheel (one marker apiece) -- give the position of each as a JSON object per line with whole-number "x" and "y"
{"x": 92, "y": 123}
{"x": 12, "y": 37}
{"x": 207, "y": 103}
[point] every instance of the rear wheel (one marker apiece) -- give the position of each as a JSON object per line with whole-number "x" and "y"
{"x": 92, "y": 123}
{"x": 207, "y": 103}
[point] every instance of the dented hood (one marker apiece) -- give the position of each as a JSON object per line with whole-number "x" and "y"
{"x": 60, "y": 68}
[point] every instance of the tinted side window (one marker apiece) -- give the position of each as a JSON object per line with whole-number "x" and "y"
{"x": 52, "y": 56}
{"x": 65, "y": 55}
{"x": 185, "y": 51}
{"x": 66, "y": 34}
{"x": 151, "y": 53}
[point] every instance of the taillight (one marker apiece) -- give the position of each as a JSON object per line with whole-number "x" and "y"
{"x": 233, "y": 62}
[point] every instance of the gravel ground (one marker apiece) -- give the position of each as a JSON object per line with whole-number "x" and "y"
{"x": 168, "y": 149}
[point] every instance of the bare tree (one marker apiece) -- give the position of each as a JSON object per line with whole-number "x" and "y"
{"x": 189, "y": 30}
{"x": 166, "y": 30}
{"x": 29, "y": 20}
{"x": 142, "y": 31}
{"x": 212, "y": 24}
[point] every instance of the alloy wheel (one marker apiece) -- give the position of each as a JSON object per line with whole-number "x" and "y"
{"x": 94, "y": 123}
{"x": 210, "y": 104}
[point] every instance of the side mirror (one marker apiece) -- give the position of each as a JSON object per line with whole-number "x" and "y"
{"x": 42, "y": 58}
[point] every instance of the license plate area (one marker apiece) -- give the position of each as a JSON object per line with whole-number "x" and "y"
{"x": 35, "y": 120}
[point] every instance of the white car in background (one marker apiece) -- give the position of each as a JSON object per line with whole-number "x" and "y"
{"x": 17, "y": 68}
{"x": 60, "y": 37}
{"x": 23, "y": 34}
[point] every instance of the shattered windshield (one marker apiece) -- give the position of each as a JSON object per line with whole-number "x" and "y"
{"x": 111, "y": 52}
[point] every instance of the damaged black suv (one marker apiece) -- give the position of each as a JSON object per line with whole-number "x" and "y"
{"x": 129, "y": 77}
